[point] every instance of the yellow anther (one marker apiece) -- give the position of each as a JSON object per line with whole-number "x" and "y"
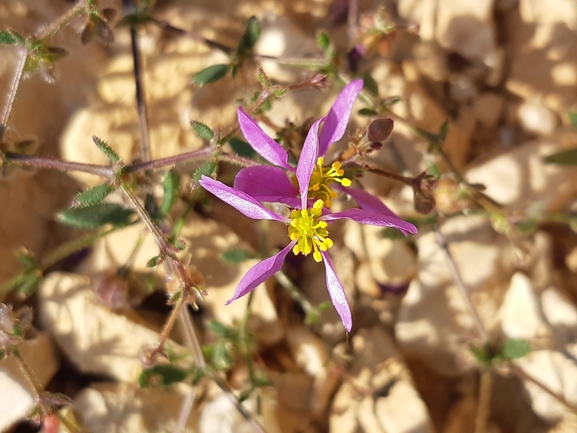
{"x": 310, "y": 233}
{"x": 322, "y": 177}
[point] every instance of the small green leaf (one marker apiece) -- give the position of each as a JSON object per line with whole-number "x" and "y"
{"x": 27, "y": 260}
{"x": 106, "y": 149}
{"x": 573, "y": 118}
{"x": 443, "y": 130}
{"x": 96, "y": 216}
{"x": 514, "y": 348}
{"x": 206, "y": 169}
{"x": 250, "y": 37}
{"x": 202, "y": 130}
{"x": 7, "y": 38}
{"x": 433, "y": 169}
{"x": 241, "y": 147}
{"x": 210, "y": 75}
{"x": 221, "y": 357}
{"x": 391, "y": 233}
{"x": 161, "y": 375}
{"x": 235, "y": 256}
{"x": 171, "y": 187}
{"x": 367, "y": 112}
{"x": 29, "y": 284}
{"x": 92, "y": 196}
{"x": 221, "y": 330}
{"x": 566, "y": 157}
{"x": 154, "y": 262}
{"x": 482, "y": 354}
{"x": 370, "y": 84}
{"x": 323, "y": 40}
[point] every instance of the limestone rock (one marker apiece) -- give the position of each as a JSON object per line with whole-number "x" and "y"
{"x": 16, "y": 398}
{"x": 96, "y": 339}
{"x": 379, "y": 395}
{"x": 537, "y": 119}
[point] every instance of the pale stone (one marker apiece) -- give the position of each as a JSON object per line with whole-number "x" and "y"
{"x": 308, "y": 350}
{"x": 126, "y": 408}
{"x": 534, "y": 118}
{"x": 388, "y": 401}
{"x": 206, "y": 241}
{"x": 488, "y": 108}
{"x": 529, "y": 180}
{"x": 17, "y": 398}
{"x": 433, "y": 320}
{"x": 544, "y": 47}
{"x": 96, "y": 339}
{"x": 520, "y": 312}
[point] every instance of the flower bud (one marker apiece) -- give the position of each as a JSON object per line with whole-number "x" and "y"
{"x": 380, "y": 129}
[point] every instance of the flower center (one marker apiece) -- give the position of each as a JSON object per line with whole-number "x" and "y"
{"x": 322, "y": 177}
{"x": 310, "y": 233}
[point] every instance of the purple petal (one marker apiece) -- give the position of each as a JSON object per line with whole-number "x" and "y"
{"x": 260, "y": 272}
{"x": 338, "y": 117}
{"x": 366, "y": 200}
{"x": 241, "y": 201}
{"x": 262, "y": 143}
{"x": 307, "y": 161}
{"x": 337, "y": 293}
{"x": 373, "y": 218}
{"x": 269, "y": 184}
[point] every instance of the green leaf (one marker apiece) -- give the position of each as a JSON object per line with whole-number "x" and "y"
{"x": 514, "y": 348}
{"x": 566, "y": 157}
{"x": 370, "y": 84}
{"x": 202, "y": 130}
{"x": 221, "y": 330}
{"x": 323, "y": 40}
{"x": 433, "y": 169}
{"x": 154, "y": 262}
{"x": 482, "y": 354}
{"x": 29, "y": 284}
{"x": 161, "y": 375}
{"x": 210, "y": 75}
{"x": 221, "y": 357}
{"x": 96, "y": 216}
{"x": 250, "y": 37}
{"x": 92, "y": 196}
{"x": 27, "y": 260}
{"x": 207, "y": 169}
{"x": 106, "y": 149}
{"x": 573, "y": 118}
{"x": 391, "y": 233}
{"x": 171, "y": 187}
{"x": 241, "y": 147}
{"x": 235, "y": 256}
{"x": 367, "y": 112}
{"x": 7, "y": 38}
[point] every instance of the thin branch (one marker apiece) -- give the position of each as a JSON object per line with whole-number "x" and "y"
{"x": 442, "y": 241}
{"x": 170, "y": 160}
{"x": 51, "y": 29}
{"x": 12, "y": 91}
{"x": 484, "y": 401}
{"x": 141, "y": 106}
{"x": 59, "y": 164}
{"x": 352, "y": 20}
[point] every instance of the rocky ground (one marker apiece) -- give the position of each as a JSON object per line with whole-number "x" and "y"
{"x": 502, "y": 72}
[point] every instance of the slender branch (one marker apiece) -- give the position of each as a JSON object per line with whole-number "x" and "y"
{"x": 558, "y": 397}
{"x": 389, "y": 174}
{"x": 141, "y": 106}
{"x": 442, "y": 241}
{"x": 170, "y": 160}
{"x": 59, "y": 164}
{"x": 12, "y": 91}
{"x": 294, "y": 292}
{"x": 484, "y": 401}
{"x": 63, "y": 20}
{"x": 238, "y": 160}
{"x": 352, "y": 20}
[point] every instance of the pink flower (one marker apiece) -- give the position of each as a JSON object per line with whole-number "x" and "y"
{"x": 271, "y": 184}
{"x": 307, "y": 226}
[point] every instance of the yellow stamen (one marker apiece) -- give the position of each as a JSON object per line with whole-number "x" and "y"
{"x": 310, "y": 233}
{"x": 322, "y": 177}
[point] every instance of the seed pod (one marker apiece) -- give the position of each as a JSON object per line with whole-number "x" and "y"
{"x": 380, "y": 129}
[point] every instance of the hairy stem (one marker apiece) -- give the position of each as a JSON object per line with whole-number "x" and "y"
{"x": 12, "y": 91}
